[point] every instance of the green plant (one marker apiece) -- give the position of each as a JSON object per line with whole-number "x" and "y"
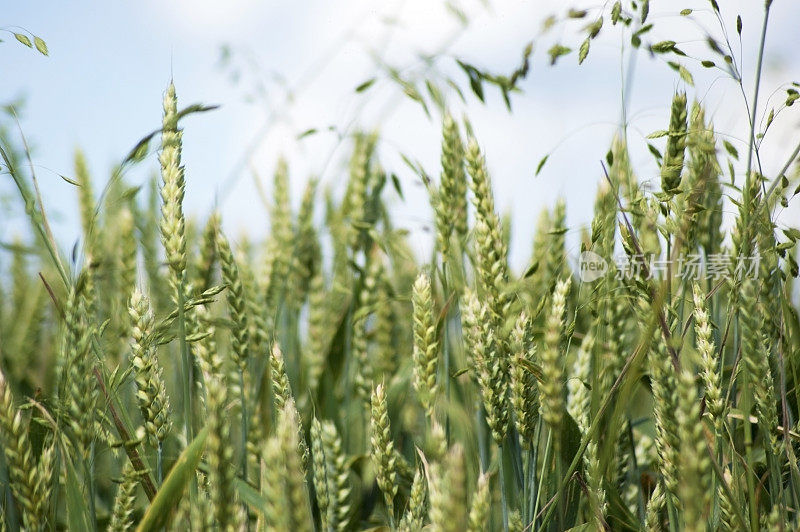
{"x": 362, "y": 388}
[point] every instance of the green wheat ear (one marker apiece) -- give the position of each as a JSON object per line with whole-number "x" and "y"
{"x": 551, "y": 388}
{"x": 29, "y": 484}
{"x": 382, "y": 448}
{"x": 425, "y": 343}
{"x": 151, "y": 391}
{"x": 672, "y": 165}
{"x": 173, "y": 188}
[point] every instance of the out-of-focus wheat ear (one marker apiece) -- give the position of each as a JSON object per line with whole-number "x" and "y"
{"x": 385, "y": 332}
{"x": 219, "y": 456}
{"x": 551, "y": 388}
{"x": 316, "y": 347}
{"x": 524, "y": 393}
{"x": 426, "y": 354}
{"x": 204, "y": 348}
{"x": 126, "y": 264}
{"x": 294, "y": 477}
{"x": 694, "y": 466}
{"x": 435, "y": 442}
{"x": 515, "y": 522}
{"x": 273, "y": 472}
{"x": 579, "y": 406}
{"x": 151, "y": 392}
{"x": 480, "y": 505}
{"x": 703, "y": 174}
{"x": 579, "y": 401}
{"x": 726, "y": 505}
{"x": 755, "y": 356}
{"x": 44, "y": 478}
{"x": 652, "y": 518}
{"x": 124, "y": 501}
{"x": 237, "y": 304}
{"x": 280, "y": 243}
{"x": 448, "y": 501}
{"x": 173, "y": 188}
{"x": 450, "y": 206}
{"x": 364, "y": 366}
{"x": 25, "y": 477}
{"x": 715, "y": 403}
{"x": 672, "y": 165}
{"x": 382, "y": 449}
{"x": 282, "y": 396}
{"x": 86, "y": 200}
{"x": 355, "y": 199}
{"x": 665, "y": 404}
{"x": 320, "y": 473}
{"x": 414, "y": 517}
{"x": 207, "y": 257}
{"x": 307, "y": 257}
{"x": 281, "y": 390}
{"x": 339, "y": 489}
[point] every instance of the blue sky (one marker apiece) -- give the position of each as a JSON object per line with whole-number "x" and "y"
{"x": 109, "y": 64}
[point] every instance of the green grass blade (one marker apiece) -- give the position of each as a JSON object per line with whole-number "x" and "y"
{"x": 171, "y": 491}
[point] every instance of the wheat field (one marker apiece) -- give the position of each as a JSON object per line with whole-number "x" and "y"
{"x": 163, "y": 375}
